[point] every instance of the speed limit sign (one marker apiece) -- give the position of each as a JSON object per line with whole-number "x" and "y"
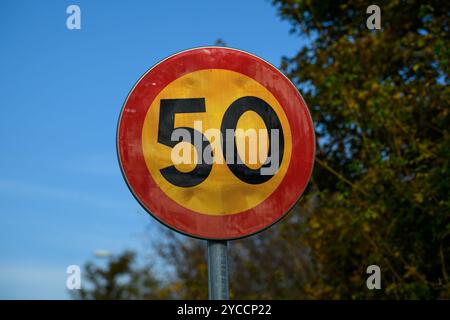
{"x": 215, "y": 143}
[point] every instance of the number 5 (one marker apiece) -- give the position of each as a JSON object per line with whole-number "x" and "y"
{"x": 168, "y": 109}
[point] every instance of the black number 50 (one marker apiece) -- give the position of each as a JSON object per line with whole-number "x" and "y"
{"x": 170, "y": 107}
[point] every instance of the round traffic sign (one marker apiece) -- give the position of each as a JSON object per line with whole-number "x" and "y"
{"x": 215, "y": 143}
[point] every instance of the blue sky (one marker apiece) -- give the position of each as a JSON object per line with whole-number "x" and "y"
{"x": 62, "y": 196}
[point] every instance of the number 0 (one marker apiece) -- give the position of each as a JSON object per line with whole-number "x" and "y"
{"x": 230, "y": 120}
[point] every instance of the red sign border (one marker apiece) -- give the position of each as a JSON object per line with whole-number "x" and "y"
{"x": 177, "y": 217}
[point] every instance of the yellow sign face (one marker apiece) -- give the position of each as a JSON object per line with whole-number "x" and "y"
{"x": 220, "y": 192}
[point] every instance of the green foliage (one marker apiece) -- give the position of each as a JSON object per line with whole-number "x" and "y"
{"x": 264, "y": 266}
{"x": 380, "y": 187}
{"x": 380, "y": 104}
{"x": 120, "y": 278}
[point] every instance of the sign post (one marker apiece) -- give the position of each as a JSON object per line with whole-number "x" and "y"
{"x": 216, "y": 144}
{"x": 218, "y": 278}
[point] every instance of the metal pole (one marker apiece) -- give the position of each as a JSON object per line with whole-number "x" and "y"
{"x": 218, "y": 270}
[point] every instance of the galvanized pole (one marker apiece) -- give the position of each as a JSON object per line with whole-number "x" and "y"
{"x": 218, "y": 288}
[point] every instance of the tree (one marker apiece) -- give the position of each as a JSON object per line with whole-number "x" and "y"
{"x": 269, "y": 265}
{"x": 121, "y": 278}
{"x": 380, "y": 104}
